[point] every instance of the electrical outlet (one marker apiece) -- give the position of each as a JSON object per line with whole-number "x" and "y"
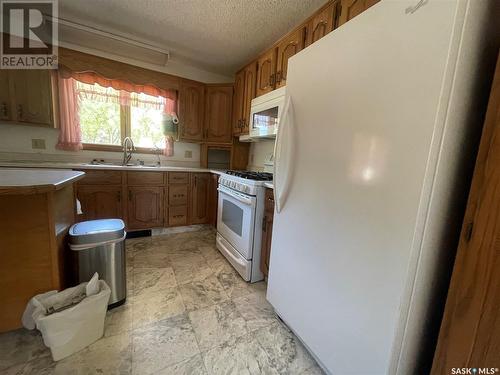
{"x": 38, "y": 144}
{"x": 188, "y": 154}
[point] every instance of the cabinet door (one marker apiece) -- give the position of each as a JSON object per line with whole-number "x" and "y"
{"x": 199, "y": 198}
{"x": 218, "y": 107}
{"x": 267, "y": 232}
{"x": 145, "y": 207}
{"x": 288, "y": 47}
{"x": 238, "y": 102}
{"x": 266, "y": 67}
{"x": 191, "y": 110}
{"x": 323, "y": 22}
{"x": 31, "y": 91}
{"x": 351, "y": 8}
{"x": 5, "y": 102}
{"x": 100, "y": 202}
{"x": 248, "y": 94}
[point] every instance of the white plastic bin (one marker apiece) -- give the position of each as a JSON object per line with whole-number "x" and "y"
{"x": 73, "y": 329}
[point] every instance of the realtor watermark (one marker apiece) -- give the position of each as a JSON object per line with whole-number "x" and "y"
{"x": 29, "y": 34}
{"x": 474, "y": 370}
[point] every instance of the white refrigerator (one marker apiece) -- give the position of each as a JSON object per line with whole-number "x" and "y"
{"x": 367, "y": 159}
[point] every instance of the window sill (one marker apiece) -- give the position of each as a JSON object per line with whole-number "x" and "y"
{"x": 116, "y": 148}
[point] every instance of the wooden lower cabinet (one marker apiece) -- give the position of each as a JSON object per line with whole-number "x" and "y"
{"x": 267, "y": 232}
{"x": 213, "y": 199}
{"x": 145, "y": 207}
{"x": 199, "y": 198}
{"x": 100, "y": 202}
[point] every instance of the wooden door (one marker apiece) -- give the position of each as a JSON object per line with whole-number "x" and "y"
{"x": 266, "y": 68}
{"x": 31, "y": 92}
{"x": 218, "y": 109}
{"x": 267, "y": 232}
{"x": 351, "y": 8}
{"x": 100, "y": 202}
{"x": 288, "y": 47}
{"x": 191, "y": 110}
{"x": 470, "y": 331}
{"x": 323, "y": 22}
{"x": 199, "y": 198}
{"x": 250, "y": 72}
{"x": 238, "y": 102}
{"x": 145, "y": 207}
{"x": 5, "y": 102}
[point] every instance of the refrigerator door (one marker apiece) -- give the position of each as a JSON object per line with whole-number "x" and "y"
{"x": 365, "y": 105}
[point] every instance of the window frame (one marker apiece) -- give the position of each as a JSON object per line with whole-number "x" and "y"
{"x": 125, "y": 131}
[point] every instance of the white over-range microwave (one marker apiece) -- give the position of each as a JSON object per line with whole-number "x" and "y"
{"x": 265, "y": 112}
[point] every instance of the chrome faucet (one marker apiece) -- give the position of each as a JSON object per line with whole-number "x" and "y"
{"x": 128, "y": 149}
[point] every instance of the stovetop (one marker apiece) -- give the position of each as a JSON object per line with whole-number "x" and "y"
{"x": 256, "y": 176}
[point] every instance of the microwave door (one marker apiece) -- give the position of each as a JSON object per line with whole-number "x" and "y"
{"x": 265, "y": 122}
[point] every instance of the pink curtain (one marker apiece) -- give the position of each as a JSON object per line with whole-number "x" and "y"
{"x": 70, "y": 137}
{"x": 171, "y": 109}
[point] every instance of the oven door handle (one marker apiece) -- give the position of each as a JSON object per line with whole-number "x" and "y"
{"x": 245, "y": 200}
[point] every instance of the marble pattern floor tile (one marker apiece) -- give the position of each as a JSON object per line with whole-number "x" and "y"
{"x": 191, "y": 366}
{"x": 163, "y": 343}
{"x": 203, "y": 293}
{"x": 216, "y": 325}
{"x": 187, "y": 312}
{"x": 244, "y": 356}
{"x": 287, "y": 353}
{"x": 256, "y": 310}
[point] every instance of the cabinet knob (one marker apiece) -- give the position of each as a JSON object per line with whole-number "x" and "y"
{"x": 20, "y": 111}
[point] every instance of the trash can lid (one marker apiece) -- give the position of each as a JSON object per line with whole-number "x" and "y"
{"x": 96, "y": 231}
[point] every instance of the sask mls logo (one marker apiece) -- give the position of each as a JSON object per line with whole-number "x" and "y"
{"x": 29, "y": 36}
{"x": 474, "y": 370}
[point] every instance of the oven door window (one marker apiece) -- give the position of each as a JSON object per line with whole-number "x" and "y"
{"x": 265, "y": 121}
{"x": 232, "y": 217}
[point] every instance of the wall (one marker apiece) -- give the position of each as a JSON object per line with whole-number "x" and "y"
{"x": 15, "y": 145}
{"x": 259, "y": 152}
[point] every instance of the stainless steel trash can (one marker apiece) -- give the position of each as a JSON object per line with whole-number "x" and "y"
{"x": 99, "y": 246}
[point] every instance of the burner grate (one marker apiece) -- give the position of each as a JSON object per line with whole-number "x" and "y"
{"x": 257, "y": 176}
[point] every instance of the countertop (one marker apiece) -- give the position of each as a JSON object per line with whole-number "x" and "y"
{"x": 269, "y": 185}
{"x": 35, "y": 181}
{"x": 56, "y": 165}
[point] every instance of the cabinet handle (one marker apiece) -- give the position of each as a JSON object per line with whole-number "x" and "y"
{"x": 129, "y": 195}
{"x": 195, "y": 181}
{"x": 119, "y": 196}
{"x": 272, "y": 79}
{"x": 264, "y": 224}
{"x": 20, "y": 111}
{"x": 243, "y": 122}
{"x": 4, "y": 109}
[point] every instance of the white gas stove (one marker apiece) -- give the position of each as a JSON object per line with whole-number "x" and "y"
{"x": 239, "y": 220}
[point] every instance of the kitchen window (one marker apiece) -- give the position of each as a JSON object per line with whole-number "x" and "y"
{"x": 107, "y": 116}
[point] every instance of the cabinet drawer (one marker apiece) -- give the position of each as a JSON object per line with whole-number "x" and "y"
{"x": 145, "y": 178}
{"x": 99, "y": 177}
{"x": 178, "y": 177}
{"x": 177, "y": 195}
{"x": 177, "y": 215}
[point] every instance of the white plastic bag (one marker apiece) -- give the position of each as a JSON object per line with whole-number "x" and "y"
{"x": 73, "y": 328}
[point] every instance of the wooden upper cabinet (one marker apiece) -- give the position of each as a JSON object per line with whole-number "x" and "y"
{"x": 323, "y": 22}
{"x": 351, "y": 8}
{"x": 100, "y": 202}
{"x": 250, "y": 72}
{"x": 238, "y": 102}
{"x": 31, "y": 96}
{"x": 266, "y": 69}
{"x": 145, "y": 207}
{"x": 191, "y": 110}
{"x": 218, "y": 109}
{"x": 200, "y": 183}
{"x": 288, "y": 47}
{"x": 5, "y": 104}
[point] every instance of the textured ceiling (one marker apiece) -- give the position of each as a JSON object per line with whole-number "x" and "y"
{"x": 217, "y": 35}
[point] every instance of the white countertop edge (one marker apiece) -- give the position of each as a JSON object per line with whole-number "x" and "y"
{"x": 269, "y": 185}
{"x": 108, "y": 167}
